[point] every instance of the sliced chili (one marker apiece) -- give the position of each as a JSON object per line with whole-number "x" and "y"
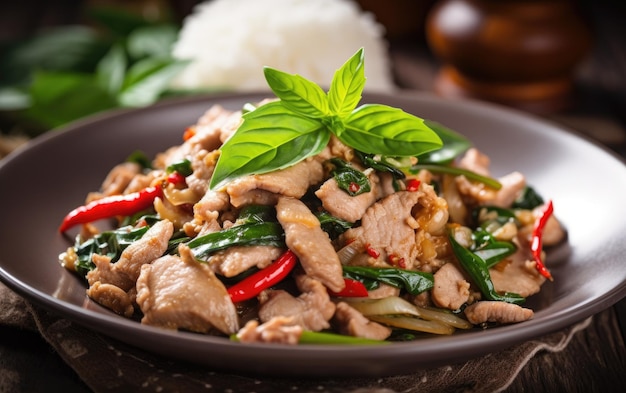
{"x": 536, "y": 243}
{"x": 176, "y": 178}
{"x": 412, "y": 185}
{"x": 111, "y": 206}
{"x": 252, "y": 285}
{"x": 353, "y": 288}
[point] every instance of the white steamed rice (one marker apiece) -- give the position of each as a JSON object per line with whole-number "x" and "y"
{"x": 230, "y": 41}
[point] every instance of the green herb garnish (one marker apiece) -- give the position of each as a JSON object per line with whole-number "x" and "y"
{"x": 299, "y": 125}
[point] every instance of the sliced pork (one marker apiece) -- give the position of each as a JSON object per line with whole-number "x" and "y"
{"x": 352, "y": 323}
{"x": 342, "y": 205}
{"x": 451, "y": 289}
{"x": 180, "y": 293}
{"x": 312, "y": 309}
{"x": 388, "y": 227}
{"x": 496, "y": 312}
{"x": 305, "y": 237}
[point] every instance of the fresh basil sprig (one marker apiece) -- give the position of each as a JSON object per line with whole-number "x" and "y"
{"x": 299, "y": 125}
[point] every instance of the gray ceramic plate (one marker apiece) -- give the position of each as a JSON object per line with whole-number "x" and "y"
{"x": 42, "y": 182}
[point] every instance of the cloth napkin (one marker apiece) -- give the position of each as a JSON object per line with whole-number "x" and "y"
{"x": 107, "y": 365}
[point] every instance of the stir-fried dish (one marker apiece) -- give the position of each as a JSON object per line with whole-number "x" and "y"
{"x": 305, "y": 218}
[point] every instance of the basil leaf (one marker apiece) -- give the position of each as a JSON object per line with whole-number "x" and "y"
{"x": 108, "y": 243}
{"x": 263, "y": 233}
{"x": 478, "y": 270}
{"x": 139, "y": 157}
{"x": 347, "y": 85}
{"x": 183, "y": 167}
{"x": 381, "y": 129}
{"x": 415, "y": 282}
{"x": 529, "y": 199}
{"x": 349, "y": 179}
{"x": 495, "y": 252}
{"x": 380, "y": 163}
{"x": 332, "y": 225}
{"x": 297, "y": 93}
{"x": 111, "y": 70}
{"x": 147, "y": 80}
{"x": 267, "y": 140}
{"x": 454, "y": 144}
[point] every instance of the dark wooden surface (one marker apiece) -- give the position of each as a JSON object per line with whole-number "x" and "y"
{"x": 595, "y": 359}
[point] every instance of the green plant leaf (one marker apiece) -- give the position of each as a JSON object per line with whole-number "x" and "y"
{"x": 381, "y": 129}
{"x": 270, "y": 138}
{"x": 58, "y": 98}
{"x": 151, "y": 41}
{"x": 347, "y": 85}
{"x": 297, "y": 93}
{"x": 111, "y": 70}
{"x": 66, "y": 49}
{"x": 454, "y": 144}
{"x": 147, "y": 79}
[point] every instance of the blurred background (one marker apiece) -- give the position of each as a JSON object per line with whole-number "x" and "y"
{"x": 63, "y": 60}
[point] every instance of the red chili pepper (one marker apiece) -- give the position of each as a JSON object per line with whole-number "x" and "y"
{"x": 176, "y": 178}
{"x": 189, "y": 133}
{"x": 353, "y": 288}
{"x": 354, "y": 187}
{"x": 371, "y": 251}
{"x": 536, "y": 243}
{"x": 252, "y": 285}
{"x": 111, "y": 206}
{"x": 412, "y": 185}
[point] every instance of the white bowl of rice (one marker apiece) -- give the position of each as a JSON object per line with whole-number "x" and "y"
{"x": 230, "y": 41}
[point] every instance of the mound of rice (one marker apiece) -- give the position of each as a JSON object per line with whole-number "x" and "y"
{"x": 230, "y": 41}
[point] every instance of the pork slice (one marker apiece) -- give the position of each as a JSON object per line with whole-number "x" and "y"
{"x": 238, "y": 259}
{"x": 125, "y": 271}
{"x": 496, "y": 312}
{"x": 278, "y": 330}
{"x": 211, "y": 203}
{"x": 306, "y": 238}
{"x": 113, "y": 298}
{"x": 202, "y": 164}
{"x": 341, "y": 205}
{"x": 517, "y": 274}
{"x": 214, "y": 127}
{"x": 180, "y": 293}
{"x": 119, "y": 178}
{"x": 312, "y": 309}
{"x": 475, "y": 161}
{"x": 388, "y": 227}
{"x": 293, "y": 181}
{"x": 151, "y": 246}
{"x": 352, "y": 323}
{"x": 255, "y": 197}
{"x": 450, "y": 289}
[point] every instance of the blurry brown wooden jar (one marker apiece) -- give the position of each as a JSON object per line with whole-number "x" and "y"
{"x": 521, "y": 53}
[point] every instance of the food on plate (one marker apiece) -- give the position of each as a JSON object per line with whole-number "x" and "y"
{"x": 306, "y": 218}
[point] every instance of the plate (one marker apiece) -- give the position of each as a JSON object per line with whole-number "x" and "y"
{"x": 53, "y": 173}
